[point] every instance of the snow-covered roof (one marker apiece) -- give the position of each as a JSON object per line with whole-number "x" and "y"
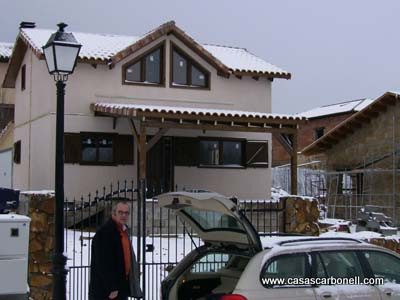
{"x": 5, "y": 50}
{"x": 132, "y": 109}
{"x": 337, "y": 108}
{"x": 241, "y": 60}
{"x": 105, "y": 47}
{"x": 94, "y": 46}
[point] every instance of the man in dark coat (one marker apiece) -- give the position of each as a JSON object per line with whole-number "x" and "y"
{"x": 114, "y": 272}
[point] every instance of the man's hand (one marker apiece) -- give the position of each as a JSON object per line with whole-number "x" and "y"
{"x": 113, "y": 295}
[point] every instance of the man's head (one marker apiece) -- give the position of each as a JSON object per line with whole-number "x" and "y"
{"x": 120, "y": 212}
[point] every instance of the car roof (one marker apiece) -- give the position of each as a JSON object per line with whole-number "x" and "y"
{"x": 309, "y": 242}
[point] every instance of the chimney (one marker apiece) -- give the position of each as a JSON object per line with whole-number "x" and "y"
{"x": 27, "y": 25}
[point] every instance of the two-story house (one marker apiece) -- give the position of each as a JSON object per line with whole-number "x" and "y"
{"x": 207, "y": 109}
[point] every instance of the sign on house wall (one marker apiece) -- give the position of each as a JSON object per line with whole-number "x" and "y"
{"x": 6, "y": 168}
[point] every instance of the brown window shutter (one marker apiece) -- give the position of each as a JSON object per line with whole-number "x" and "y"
{"x": 257, "y": 154}
{"x": 186, "y": 151}
{"x": 17, "y": 152}
{"x": 72, "y": 148}
{"x": 124, "y": 149}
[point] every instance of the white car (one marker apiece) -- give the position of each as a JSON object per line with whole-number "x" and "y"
{"x": 233, "y": 264}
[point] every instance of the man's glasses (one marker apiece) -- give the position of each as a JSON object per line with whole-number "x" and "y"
{"x": 121, "y": 213}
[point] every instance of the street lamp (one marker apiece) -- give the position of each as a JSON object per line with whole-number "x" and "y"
{"x": 61, "y": 52}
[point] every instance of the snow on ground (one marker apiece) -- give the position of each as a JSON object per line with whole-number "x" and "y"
{"x": 167, "y": 252}
{"x": 277, "y": 192}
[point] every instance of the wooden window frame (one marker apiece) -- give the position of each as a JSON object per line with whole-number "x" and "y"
{"x": 23, "y": 78}
{"x": 258, "y": 165}
{"x": 123, "y": 148}
{"x": 190, "y": 62}
{"x": 142, "y": 59}
{"x": 98, "y": 135}
{"x": 17, "y": 152}
{"x": 220, "y": 141}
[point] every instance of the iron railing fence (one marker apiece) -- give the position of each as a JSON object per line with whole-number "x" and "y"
{"x": 167, "y": 238}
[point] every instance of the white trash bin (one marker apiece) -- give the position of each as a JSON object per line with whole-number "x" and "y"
{"x": 14, "y": 243}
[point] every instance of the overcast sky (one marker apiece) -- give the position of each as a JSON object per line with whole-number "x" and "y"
{"x": 336, "y": 50}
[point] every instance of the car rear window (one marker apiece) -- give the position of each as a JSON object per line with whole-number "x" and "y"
{"x": 213, "y": 220}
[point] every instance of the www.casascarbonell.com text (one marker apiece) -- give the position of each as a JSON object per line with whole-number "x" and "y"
{"x": 322, "y": 281}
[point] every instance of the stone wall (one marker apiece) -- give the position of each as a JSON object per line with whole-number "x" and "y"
{"x": 387, "y": 242}
{"x": 301, "y": 215}
{"x": 40, "y": 208}
{"x": 371, "y": 148}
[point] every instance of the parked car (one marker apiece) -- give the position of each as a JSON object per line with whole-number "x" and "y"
{"x": 232, "y": 263}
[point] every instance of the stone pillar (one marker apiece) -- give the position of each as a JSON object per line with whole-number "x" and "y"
{"x": 40, "y": 207}
{"x": 301, "y": 215}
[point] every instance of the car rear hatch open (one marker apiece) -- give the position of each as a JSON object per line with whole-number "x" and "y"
{"x": 216, "y": 219}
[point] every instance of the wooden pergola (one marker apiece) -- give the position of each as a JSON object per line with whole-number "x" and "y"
{"x": 163, "y": 118}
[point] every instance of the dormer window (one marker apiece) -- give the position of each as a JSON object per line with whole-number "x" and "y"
{"x": 186, "y": 72}
{"x": 146, "y": 69}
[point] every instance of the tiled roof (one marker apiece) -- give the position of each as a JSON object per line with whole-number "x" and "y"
{"x": 241, "y": 60}
{"x": 106, "y": 47}
{"x": 337, "y": 108}
{"x": 5, "y": 50}
{"x": 132, "y": 109}
{"x": 353, "y": 123}
{"x": 94, "y": 46}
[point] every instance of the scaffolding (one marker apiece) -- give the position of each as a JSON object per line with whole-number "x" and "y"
{"x": 374, "y": 181}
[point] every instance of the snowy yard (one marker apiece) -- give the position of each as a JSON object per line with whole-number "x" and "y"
{"x": 167, "y": 251}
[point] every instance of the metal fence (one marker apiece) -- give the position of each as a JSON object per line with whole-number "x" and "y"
{"x": 167, "y": 239}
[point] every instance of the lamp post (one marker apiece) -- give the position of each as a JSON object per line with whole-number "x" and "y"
{"x": 61, "y": 52}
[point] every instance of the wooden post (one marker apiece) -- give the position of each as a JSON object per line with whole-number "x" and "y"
{"x": 293, "y": 166}
{"x": 142, "y": 200}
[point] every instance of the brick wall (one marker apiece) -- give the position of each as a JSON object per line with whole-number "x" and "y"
{"x": 306, "y": 136}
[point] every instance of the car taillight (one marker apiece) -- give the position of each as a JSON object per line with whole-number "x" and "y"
{"x": 233, "y": 297}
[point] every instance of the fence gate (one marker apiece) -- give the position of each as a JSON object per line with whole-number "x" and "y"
{"x": 167, "y": 239}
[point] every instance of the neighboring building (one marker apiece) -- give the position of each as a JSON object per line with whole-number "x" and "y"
{"x": 362, "y": 157}
{"x": 6, "y": 120}
{"x": 165, "y": 72}
{"x": 320, "y": 121}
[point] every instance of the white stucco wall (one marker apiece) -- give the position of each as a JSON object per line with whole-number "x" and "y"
{"x": 35, "y": 124}
{"x": 6, "y": 168}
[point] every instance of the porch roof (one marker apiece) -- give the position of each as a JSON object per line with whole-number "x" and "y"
{"x": 5, "y": 51}
{"x": 201, "y": 118}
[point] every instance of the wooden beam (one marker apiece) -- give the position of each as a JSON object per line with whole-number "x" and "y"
{"x": 134, "y": 132}
{"x": 219, "y": 127}
{"x": 263, "y": 74}
{"x": 142, "y": 152}
{"x": 212, "y": 118}
{"x": 293, "y": 166}
{"x": 194, "y": 117}
{"x": 283, "y": 141}
{"x": 156, "y": 138}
